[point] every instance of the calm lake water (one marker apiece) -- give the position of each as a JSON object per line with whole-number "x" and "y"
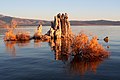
{"x": 38, "y": 61}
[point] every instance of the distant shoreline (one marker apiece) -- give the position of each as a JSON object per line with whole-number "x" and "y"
{"x": 71, "y": 25}
{"x": 5, "y": 20}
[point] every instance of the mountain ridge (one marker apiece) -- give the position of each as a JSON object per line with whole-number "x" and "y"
{"x": 5, "y": 20}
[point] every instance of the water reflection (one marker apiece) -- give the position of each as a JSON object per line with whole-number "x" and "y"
{"x": 37, "y": 43}
{"x": 79, "y": 66}
{"x": 61, "y": 48}
{"x": 11, "y": 46}
{"x": 22, "y": 43}
{"x": 75, "y": 64}
{"x": 62, "y": 51}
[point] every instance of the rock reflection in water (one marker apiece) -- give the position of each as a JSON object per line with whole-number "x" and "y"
{"x": 61, "y": 47}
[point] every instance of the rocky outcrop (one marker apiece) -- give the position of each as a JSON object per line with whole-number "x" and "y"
{"x": 60, "y": 27}
{"x": 38, "y": 32}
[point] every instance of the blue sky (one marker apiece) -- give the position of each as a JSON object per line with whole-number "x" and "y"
{"x": 77, "y": 9}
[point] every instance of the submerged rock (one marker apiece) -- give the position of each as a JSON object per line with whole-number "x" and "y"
{"x": 42, "y": 38}
{"x": 106, "y": 39}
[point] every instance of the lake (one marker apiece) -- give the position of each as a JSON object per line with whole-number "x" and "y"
{"x": 36, "y": 60}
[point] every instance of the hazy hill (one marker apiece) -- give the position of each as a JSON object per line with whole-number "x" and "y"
{"x": 95, "y": 22}
{"x": 5, "y": 20}
{"x": 21, "y": 22}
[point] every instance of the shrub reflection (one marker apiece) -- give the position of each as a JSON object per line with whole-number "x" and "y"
{"x": 11, "y": 46}
{"x": 79, "y": 53}
{"x": 82, "y": 66}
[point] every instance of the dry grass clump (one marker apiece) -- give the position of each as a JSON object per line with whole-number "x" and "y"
{"x": 10, "y": 36}
{"x": 21, "y": 36}
{"x": 88, "y": 49}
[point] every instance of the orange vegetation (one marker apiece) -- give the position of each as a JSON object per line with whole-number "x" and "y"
{"x": 88, "y": 49}
{"x": 20, "y": 36}
{"x": 80, "y": 52}
{"x": 23, "y": 36}
{"x": 10, "y": 36}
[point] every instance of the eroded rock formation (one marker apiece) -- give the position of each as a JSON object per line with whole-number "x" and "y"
{"x": 60, "y": 27}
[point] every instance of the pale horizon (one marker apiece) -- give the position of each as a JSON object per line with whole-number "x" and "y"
{"x": 77, "y": 9}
